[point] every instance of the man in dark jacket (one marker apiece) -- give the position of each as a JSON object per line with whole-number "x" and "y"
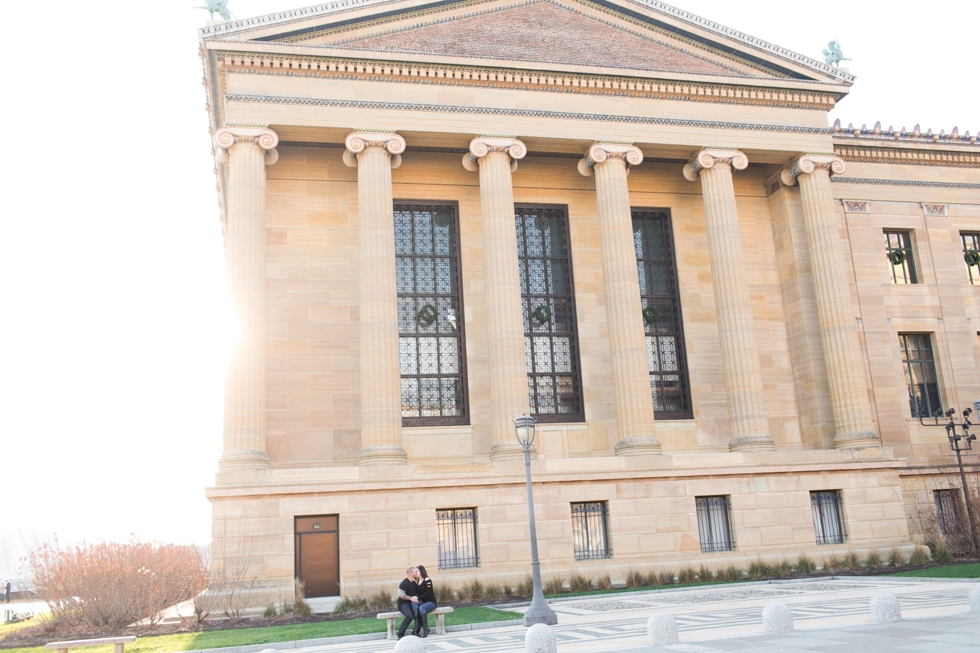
{"x": 408, "y": 602}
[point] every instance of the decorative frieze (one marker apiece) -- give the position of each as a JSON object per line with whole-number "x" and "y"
{"x": 908, "y": 156}
{"x": 934, "y": 209}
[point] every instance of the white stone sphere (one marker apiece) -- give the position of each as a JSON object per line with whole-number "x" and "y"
{"x": 777, "y": 618}
{"x": 540, "y": 639}
{"x": 410, "y": 644}
{"x": 662, "y": 629}
{"x": 975, "y": 598}
{"x": 885, "y": 608}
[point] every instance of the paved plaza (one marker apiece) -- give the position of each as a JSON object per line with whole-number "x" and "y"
{"x": 830, "y": 615}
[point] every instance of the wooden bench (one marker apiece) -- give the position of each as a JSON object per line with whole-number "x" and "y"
{"x": 440, "y": 614}
{"x": 118, "y": 643}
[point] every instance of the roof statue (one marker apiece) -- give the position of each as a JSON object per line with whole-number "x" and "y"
{"x": 220, "y": 6}
{"x": 833, "y": 55}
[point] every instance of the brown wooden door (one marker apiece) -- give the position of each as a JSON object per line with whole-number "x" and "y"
{"x": 318, "y": 555}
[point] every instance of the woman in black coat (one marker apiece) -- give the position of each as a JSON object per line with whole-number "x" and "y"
{"x": 427, "y": 599}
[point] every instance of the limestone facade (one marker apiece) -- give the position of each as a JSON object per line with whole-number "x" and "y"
{"x": 327, "y": 120}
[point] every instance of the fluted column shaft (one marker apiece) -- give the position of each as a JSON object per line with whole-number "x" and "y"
{"x": 496, "y": 158}
{"x": 853, "y": 423}
{"x": 624, "y": 310}
{"x": 381, "y": 414}
{"x": 739, "y": 351}
{"x": 246, "y": 151}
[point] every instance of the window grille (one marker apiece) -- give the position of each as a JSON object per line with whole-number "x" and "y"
{"x": 920, "y": 374}
{"x": 971, "y": 243}
{"x": 901, "y": 263}
{"x": 456, "y": 529}
{"x": 589, "y": 530}
{"x": 947, "y": 511}
{"x": 430, "y": 315}
{"x": 714, "y": 524}
{"x": 550, "y": 336}
{"x": 827, "y": 522}
{"x": 660, "y": 297}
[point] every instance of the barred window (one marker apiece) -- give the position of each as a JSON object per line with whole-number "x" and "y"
{"x": 920, "y": 374}
{"x": 660, "y": 297}
{"x": 589, "y": 530}
{"x": 947, "y": 511}
{"x": 898, "y": 250}
{"x": 827, "y": 513}
{"x": 456, "y": 529}
{"x": 430, "y": 314}
{"x": 971, "y": 243}
{"x": 550, "y": 338}
{"x": 714, "y": 524}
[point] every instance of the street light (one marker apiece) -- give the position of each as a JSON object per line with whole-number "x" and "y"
{"x": 960, "y": 443}
{"x": 539, "y": 612}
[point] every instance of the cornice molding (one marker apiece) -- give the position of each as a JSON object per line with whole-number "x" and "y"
{"x": 600, "y": 152}
{"x": 904, "y": 182}
{"x": 723, "y": 92}
{"x": 908, "y": 156}
{"x": 707, "y": 158}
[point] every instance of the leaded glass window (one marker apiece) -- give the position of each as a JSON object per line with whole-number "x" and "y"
{"x": 971, "y": 256}
{"x": 920, "y": 375}
{"x": 430, "y": 314}
{"x": 662, "y": 323}
{"x": 898, "y": 250}
{"x": 550, "y": 337}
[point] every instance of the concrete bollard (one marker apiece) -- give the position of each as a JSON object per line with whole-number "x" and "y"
{"x": 885, "y": 608}
{"x": 662, "y": 629}
{"x": 777, "y": 618}
{"x": 540, "y": 639}
{"x": 975, "y": 598}
{"x": 410, "y": 644}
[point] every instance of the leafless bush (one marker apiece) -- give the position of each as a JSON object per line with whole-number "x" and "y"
{"x": 555, "y": 586}
{"x": 579, "y": 583}
{"x": 604, "y": 583}
{"x": 525, "y": 587}
{"x": 112, "y": 584}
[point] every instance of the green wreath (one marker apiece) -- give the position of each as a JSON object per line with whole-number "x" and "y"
{"x": 542, "y": 313}
{"x": 896, "y": 256}
{"x": 650, "y": 315}
{"x": 972, "y": 258}
{"x": 428, "y": 314}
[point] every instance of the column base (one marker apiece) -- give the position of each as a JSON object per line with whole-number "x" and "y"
{"x": 509, "y": 451}
{"x": 243, "y": 466}
{"x": 857, "y": 440}
{"x": 389, "y": 454}
{"x": 641, "y": 445}
{"x": 757, "y": 442}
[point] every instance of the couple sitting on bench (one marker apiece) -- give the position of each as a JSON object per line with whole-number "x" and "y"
{"x": 416, "y": 600}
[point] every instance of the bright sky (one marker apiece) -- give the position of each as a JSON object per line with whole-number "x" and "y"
{"x": 115, "y": 316}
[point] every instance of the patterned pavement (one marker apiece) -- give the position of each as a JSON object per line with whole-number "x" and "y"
{"x": 720, "y": 614}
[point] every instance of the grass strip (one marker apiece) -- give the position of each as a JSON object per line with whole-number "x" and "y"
{"x": 969, "y": 570}
{"x": 271, "y": 634}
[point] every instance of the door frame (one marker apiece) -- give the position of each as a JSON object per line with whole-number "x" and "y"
{"x": 297, "y": 546}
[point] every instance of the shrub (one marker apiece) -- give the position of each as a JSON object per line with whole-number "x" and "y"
{"x": 492, "y": 592}
{"x": 873, "y": 561}
{"x": 760, "y": 569}
{"x": 635, "y": 579}
{"x": 271, "y": 611}
{"x": 730, "y": 573}
{"x": 667, "y": 577}
{"x": 113, "y": 584}
{"x": 473, "y": 590}
{"x": 781, "y": 569}
{"x": 380, "y": 601}
{"x": 444, "y": 593}
{"x": 942, "y": 552}
{"x": 833, "y": 562}
{"x": 895, "y": 558}
{"x": 555, "y": 586}
{"x": 805, "y": 566}
{"x": 705, "y": 573}
{"x": 686, "y": 575}
{"x": 579, "y": 583}
{"x": 351, "y": 604}
{"x": 525, "y": 587}
{"x": 852, "y": 561}
{"x": 920, "y": 556}
{"x": 604, "y": 583}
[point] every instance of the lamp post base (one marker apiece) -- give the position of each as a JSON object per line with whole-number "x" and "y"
{"x": 539, "y": 612}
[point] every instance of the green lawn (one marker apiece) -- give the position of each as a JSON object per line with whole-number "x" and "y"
{"x": 270, "y": 634}
{"x": 971, "y": 570}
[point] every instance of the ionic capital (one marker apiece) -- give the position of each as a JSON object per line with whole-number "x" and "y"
{"x": 707, "y": 158}
{"x": 226, "y": 137}
{"x": 357, "y": 142}
{"x": 484, "y": 145}
{"x": 807, "y": 163}
{"x": 601, "y": 152}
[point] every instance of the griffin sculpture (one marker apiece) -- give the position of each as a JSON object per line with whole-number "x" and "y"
{"x": 833, "y": 55}
{"x": 220, "y": 6}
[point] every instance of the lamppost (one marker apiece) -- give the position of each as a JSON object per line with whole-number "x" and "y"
{"x": 539, "y": 612}
{"x": 960, "y": 443}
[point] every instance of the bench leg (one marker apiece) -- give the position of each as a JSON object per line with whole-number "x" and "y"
{"x": 440, "y": 624}
{"x": 119, "y": 648}
{"x": 391, "y": 629}
{"x": 62, "y": 650}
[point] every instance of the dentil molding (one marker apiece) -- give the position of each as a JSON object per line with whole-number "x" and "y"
{"x": 484, "y": 145}
{"x": 707, "y": 158}
{"x": 226, "y": 137}
{"x": 357, "y": 142}
{"x": 601, "y": 152}
{"x": 807, "y": 163}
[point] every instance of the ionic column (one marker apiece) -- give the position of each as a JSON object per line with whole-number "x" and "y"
{"x": 496, "y": 159}
{"x": 853, "y": 423}
{"x": 739, "y": 351}
{"x": 246, "y": 151}
{"x": 627, "y": 340}
{"x": 374, "y": 155}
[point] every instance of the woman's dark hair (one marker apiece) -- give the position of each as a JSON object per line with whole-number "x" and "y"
{"x": 422, "y": 571}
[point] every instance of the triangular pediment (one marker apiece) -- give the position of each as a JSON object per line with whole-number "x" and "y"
{"x": 644, "y": 36}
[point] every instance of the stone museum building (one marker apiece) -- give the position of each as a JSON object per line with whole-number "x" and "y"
{"x": 733, "y": 323}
